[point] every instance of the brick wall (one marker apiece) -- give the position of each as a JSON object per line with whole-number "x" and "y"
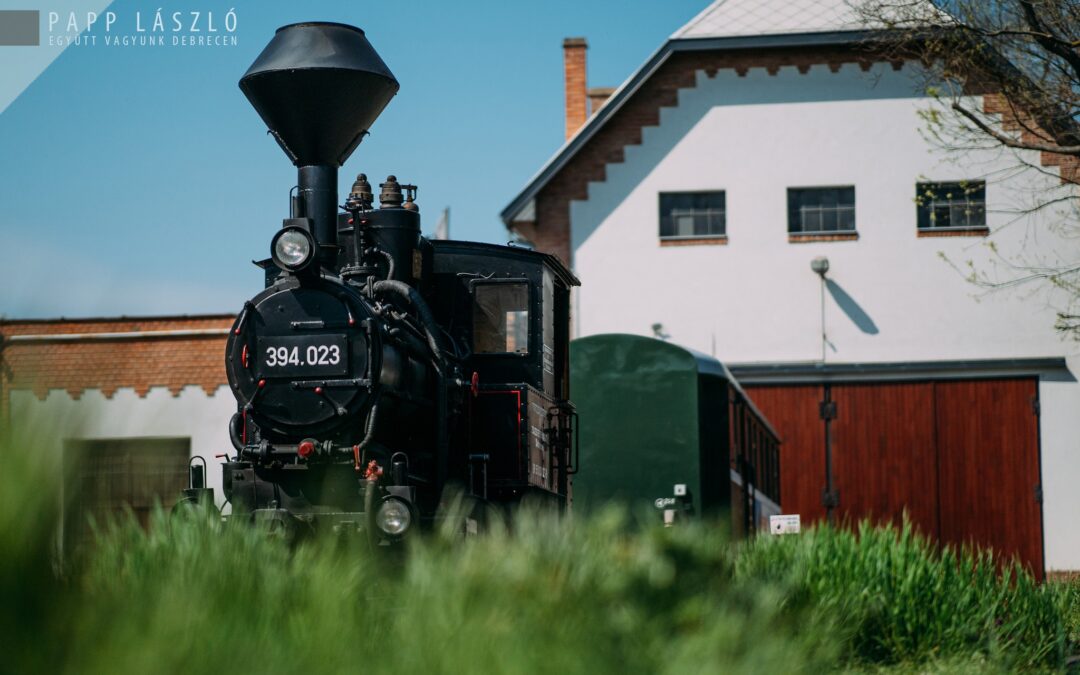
{"x": 1012, "y": 121}
{"x": 74, "y": 360}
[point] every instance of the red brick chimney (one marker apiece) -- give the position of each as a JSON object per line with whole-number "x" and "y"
{"x": 598, "y": 96}
{"x": 576, "y": 90}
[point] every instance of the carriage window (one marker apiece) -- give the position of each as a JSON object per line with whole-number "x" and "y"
{"x": 501, "y": 319}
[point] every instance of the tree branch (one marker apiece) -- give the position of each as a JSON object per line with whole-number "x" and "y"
{"x": 1050, "y": 43}
{"x": 1011, "y": 142}
{"x": 1012, "y": 32}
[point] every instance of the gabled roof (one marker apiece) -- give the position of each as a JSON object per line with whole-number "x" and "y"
{"x": 725, "y": 18}
{"x": 723, "y": 25}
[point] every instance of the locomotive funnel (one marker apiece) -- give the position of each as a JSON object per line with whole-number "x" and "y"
{"x": 319, "y": 87}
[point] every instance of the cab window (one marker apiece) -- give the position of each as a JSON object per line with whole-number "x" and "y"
{"x": 501, "y": 318}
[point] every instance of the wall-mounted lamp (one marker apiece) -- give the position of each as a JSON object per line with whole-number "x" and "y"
{"x": 820, "y": 266}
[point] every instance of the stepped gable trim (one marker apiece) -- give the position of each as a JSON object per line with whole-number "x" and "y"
{"x": 636, "y": 81}
{"x": 1029, "y": 132}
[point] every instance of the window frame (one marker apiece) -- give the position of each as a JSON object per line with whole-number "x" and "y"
{"x": 920, "y": 208}
{"x": 531, "y": 309}
{"x": 845, "y": 233}
{"x": 690, "y": 237}
{"x": 136, "y": 492}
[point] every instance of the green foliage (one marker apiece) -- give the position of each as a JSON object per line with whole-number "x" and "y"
{"x": 29, "y": 592}
{"x": 1070, "y": 601}
{"x": 551, "y": 597}
{"x": 903, "y": 602}
{"x": 194, "y": 595}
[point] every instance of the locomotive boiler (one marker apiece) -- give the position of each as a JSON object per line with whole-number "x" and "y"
{"x": 378, "y": 368}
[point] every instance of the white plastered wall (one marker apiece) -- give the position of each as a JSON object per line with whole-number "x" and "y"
{"x": 1060, "y": 442}
{"x": 191, "y": 414}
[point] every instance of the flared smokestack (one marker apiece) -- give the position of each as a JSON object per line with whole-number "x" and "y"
{"x": 319, "y": 87}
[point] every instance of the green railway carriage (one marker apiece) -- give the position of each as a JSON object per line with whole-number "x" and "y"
{"x": 669, "y": 427}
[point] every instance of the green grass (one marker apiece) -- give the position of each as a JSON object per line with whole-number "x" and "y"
{"x": 602, "y": 597}
{"x": 606, "y": 595}
{"x": 1070, "y": 596}
{"x": 904, "y": 602}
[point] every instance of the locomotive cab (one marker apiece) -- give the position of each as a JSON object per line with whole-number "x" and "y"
{"x": 511, "y": 306}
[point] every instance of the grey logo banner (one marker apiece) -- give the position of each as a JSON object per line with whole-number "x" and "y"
{"x": 20, "y": 27}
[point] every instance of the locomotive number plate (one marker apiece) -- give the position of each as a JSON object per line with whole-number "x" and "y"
{"x": 303, "y": 356}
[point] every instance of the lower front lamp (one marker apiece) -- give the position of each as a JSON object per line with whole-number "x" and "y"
{"x": 393, "y": 517}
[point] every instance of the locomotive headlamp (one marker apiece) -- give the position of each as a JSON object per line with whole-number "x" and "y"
{"x": 292, "y": 248}
{"x": 393, "y": 517}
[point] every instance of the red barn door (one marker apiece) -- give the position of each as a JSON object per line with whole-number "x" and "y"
{"x": 884, "y": 455}
{"x": 961, "y": 457}
{"x": 988, "y": 442}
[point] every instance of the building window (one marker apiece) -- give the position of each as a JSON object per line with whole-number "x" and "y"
{"x": 829, "y": 210}
{"x": 106, "y": 477}
{"x": 692, "y": 215}
{"x": 951, "y": 206}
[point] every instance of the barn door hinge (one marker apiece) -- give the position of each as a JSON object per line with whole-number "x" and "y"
{"x": 1035, "y": 406}
{"x": 827, "y": 410}
{"x": 1038, "y": 494}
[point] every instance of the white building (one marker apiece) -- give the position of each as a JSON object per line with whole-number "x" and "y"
{"x": 796, "y": 142}
{"x": 119, "y": 406}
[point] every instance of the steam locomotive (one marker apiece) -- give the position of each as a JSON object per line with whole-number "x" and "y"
{"x": 377, "y": 367}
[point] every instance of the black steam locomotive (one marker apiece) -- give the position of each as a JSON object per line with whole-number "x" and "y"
{"x": 377, "y": 367}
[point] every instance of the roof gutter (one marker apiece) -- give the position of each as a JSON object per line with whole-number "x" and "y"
{"x": 1047, "y": 368}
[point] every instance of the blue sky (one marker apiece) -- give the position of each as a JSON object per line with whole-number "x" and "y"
{"x": 138, "y": 180}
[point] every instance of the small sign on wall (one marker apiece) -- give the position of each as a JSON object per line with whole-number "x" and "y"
{"x": 785, "y": 524}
